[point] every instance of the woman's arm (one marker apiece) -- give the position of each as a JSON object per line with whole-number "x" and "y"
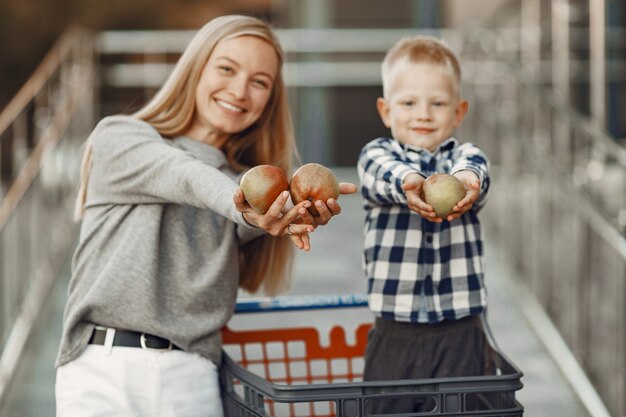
{"x": 132, "y": 164}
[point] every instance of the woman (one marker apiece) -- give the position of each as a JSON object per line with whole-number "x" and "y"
{"x": 167, "y": 236}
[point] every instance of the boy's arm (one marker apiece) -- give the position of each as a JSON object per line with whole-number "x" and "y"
{"x": 471, "y": 166}
{"x": 412, "y": 186}
{"x": 382, "y": 172}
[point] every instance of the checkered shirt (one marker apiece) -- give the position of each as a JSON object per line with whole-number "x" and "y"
{"x": 417, "y": 270}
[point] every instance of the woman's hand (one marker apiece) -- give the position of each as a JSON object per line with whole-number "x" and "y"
{"x": 327, "y": 209}
{"x": 275, "y": 221}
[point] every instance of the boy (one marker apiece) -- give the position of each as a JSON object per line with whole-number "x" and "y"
{"x": 425, "y": 273}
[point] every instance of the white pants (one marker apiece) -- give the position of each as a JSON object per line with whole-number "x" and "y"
{"x": 139, "y": 383}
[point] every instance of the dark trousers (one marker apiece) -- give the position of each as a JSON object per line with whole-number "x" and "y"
{"x": 396, "y": 350}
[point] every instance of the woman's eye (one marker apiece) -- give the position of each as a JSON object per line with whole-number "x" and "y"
{"x": 225, "y": 69}
{"x": 261, "y": 83}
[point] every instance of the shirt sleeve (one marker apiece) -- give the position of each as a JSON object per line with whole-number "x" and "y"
{"x": 133, "y": 164}
{"x": 469, "y": 157}
{"x": 382, "y": 169}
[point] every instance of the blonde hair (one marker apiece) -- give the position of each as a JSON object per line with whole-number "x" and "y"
{"x": 420, "y": 49}
{"x": 266, "y": 261}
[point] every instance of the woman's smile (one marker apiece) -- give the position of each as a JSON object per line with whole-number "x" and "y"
{"x": 228, "y": 106}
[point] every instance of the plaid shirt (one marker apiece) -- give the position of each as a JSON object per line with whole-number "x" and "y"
{"x": 417, "y": 270}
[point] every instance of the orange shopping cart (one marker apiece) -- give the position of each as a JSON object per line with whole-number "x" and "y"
{"x": 278, "y": 371}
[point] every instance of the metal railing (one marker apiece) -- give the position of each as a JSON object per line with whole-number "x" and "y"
{"x": 557, "y": 198}
{"x": 41, "y": 132}
{"x": 558, "y": 203}
{"x": 155, "y": 51}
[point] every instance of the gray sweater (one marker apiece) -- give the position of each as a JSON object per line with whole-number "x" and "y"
{"x": 158, "y": 248}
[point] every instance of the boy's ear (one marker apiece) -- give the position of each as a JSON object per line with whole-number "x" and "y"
{"x": 383, "y": 111}
{"x": 460, "y": 112}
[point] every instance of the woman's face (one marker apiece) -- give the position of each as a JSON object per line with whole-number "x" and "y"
{"x": 235, "y": 86}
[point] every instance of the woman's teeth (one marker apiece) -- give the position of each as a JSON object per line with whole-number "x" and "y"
{"x": 228, "y": 106}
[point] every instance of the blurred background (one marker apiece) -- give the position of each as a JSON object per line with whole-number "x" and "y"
{"x": 545, "y": 80}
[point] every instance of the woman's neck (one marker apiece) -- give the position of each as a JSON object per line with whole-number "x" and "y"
{"x": 211, "y": 138}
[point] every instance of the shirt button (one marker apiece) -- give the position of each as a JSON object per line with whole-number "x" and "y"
{"x": 429, "y": 238}
{"x": 428, "y": 277}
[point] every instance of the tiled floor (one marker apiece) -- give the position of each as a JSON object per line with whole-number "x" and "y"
{"x": 332, "y": 266}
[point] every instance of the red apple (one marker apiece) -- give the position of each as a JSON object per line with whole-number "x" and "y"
{"x": 313, "y": 182}
{"x": 262, "y": 184}
{"x": 442, "y": 192}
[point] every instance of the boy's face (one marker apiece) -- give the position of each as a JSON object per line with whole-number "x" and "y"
{"x": 422, "y": 107}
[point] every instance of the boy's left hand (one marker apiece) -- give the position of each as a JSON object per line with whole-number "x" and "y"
{"x": 471, "y": 182}
{"x": 413, "y": 188}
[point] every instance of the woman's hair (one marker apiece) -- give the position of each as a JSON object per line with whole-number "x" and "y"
{"x": 420, "y": 49}
{"x": 270, "y": 140}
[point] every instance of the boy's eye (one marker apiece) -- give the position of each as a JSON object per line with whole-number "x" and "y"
{"x": 408, "y": 103}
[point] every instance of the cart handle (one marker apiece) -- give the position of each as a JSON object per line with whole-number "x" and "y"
{"x": 304, "y": 302}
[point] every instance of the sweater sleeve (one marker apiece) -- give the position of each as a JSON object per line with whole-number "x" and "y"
{"x": 133, "y": 164}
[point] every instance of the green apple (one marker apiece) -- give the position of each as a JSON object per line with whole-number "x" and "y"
{"x": 442, "y": 192}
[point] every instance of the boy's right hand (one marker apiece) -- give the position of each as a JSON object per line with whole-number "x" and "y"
{"x": 412, "y": 186}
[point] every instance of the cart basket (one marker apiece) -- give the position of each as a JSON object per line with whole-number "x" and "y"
{"x": 288, "y": 372}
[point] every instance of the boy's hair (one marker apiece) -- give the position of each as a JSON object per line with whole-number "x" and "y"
{"x": 420, "y": 49}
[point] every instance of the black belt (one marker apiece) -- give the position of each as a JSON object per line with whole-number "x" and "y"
{"x": 129, "y": 338}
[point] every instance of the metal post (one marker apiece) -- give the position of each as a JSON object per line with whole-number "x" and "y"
{"x": 561, "y": 70}
{"x": 530, "y": 41}
{"x": 6, "y": 157}
{"x": 560, "y": 50}
{"x": 597, "y": 56}
{"x": 313, "y": 114}
{"x": 425, "y": 13}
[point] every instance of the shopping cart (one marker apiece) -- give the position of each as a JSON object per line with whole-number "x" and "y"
{"x": 291, "y": 372}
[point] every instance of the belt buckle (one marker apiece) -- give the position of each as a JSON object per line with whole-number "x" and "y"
{"x": 142, "y": 341}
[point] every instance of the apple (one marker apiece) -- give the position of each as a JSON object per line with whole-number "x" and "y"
{"x": 442, "y": 192}
{"x": 262, "y": 184}
{"x": 313, "y": 182}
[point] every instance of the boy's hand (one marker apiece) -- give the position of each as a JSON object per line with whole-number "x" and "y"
{"x": 412, "y": 187}
{"x": 471, "y": 182}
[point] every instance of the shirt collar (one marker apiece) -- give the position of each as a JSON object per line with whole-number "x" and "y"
{"x": 446, "y": 145}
